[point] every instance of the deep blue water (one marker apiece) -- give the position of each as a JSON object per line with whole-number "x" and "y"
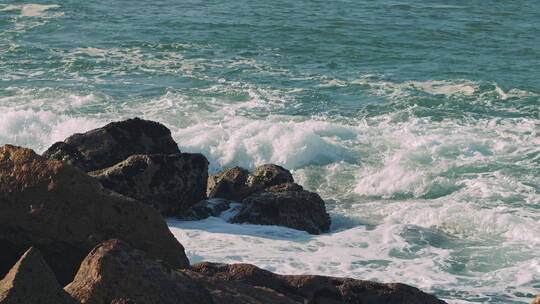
{"x": 417, "y": 121}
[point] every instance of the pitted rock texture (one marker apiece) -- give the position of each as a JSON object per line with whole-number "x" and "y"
{"x": 170, "y": 183}
{"x": 104, "y": 147}
{"x": 114, "y": 272}
{"x": 63, "y": 212}
{"x": 32, "y": 281}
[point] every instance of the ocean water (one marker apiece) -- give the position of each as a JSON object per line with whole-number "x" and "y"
{"x": 418, "y": 122}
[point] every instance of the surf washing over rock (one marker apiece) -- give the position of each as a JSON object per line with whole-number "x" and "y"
{"x": 416, "y": 123}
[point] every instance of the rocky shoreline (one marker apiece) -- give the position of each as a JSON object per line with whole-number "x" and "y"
{"x": 83, "y": 223}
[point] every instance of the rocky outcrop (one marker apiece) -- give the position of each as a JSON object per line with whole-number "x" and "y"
{"x": 317, "y": 289}
{"x": 170, "y": 183}
{"x": 65, "y": 213}
{"x": 32, "y": 281}
{"x": 269, "y": 175}
{"x": 114, "y": 272}
{"x": 285, "y": 205}
{"x": 230, "y": 184}
{"x": 269, "y": 196}
{"x": 104, "y": 147}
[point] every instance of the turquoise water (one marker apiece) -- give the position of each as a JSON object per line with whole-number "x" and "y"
{"x": 418, "y": 122}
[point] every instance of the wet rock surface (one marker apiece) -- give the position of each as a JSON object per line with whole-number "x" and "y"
{"x": 63, "y": 212}
{"x": 171, "y": 183}
{"x": 104, "y": 147}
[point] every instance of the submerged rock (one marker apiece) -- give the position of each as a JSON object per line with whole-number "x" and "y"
{"x": 114, "y": 272}
{"x": 65, "y": 213}
{"x": 317, "y": 289}
{"x": 207, "y": 208}
{"x": 285, "y": 205}
{"x": 32, "y": 281}
{"x": 103, "y": 147}
{"x": 171, "y": 183}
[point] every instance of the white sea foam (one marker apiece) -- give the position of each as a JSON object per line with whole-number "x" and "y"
{"x": 31, "y": 10}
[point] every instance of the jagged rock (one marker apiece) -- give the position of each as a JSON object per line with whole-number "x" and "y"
{"x": 65, "y": 213}
{"x": 536, "y": 300}
{"x": 207, "y": 208}
{"x": 285, "y": 205}
{"x": 114, "y": 272}
{"x": 171, "y": 183}
{"x": 317, "y": 289}
{"x": 269, "y": 175}
{"x": 32, "y": 281}
{"x": 229, "y": 184}
{"x": 103, "y": 147}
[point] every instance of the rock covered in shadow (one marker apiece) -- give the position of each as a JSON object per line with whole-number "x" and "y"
{"x": 114, "y": 272}
{"x": 207, "y": 208}
{"x": 317, "y": 289}
{"x": 32, "y": 281}
{"x": 171, "y": 183}
{"x": 103, "y": 147}
{"x": 65, "y": 213}
{"x": 285, "y": 205}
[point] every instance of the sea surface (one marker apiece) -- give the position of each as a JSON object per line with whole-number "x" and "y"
{"x": 417, "y": 121}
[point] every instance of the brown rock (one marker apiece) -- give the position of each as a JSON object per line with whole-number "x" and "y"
{"x": 32, "y": 281}
{"x": 269, "y": 175}
{"x": 317, "y": 289}
{"x": 285, "y": 205}
{"x": 65, "y": 213}
{"x": 233, "y": 292}
{"x": 103, "y": 147}
{"x": 229, "y": 184}
{"x": 114, "y": 272}
{"x": 536, "y": 300}
{"x": 171, "y": 183}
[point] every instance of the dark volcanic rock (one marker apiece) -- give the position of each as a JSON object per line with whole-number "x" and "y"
{"x": 269, "y": 175}
{"x": 229, "y": 184}
{"x": 103, "y": 147}
{"x": 114, "y": 272}
{"x": 32, "y": 281}
{"x": 171, "y": 183}
{"x": 63, "y": 212}
{"x": 317, "y": 289}
{"x": 285, "y": 205}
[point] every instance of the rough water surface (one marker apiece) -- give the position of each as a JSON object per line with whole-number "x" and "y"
{"x": 418, "y": 122}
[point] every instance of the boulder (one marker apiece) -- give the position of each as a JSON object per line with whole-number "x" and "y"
{"x": 32, "y": 281}
{"x": 171, "y": 183}
{"x": 536, "y": 300}
{"x": 317, "y": 289}
{"x": 237, "y": 183}
{"x": 114, "y": 272}
{"x": 285, "y": 205}
{"x": 103, "y": 147}
{"x": 64, "y": 213}
{"x": 229, "y": 184}
{"x": 269, "y": 175}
